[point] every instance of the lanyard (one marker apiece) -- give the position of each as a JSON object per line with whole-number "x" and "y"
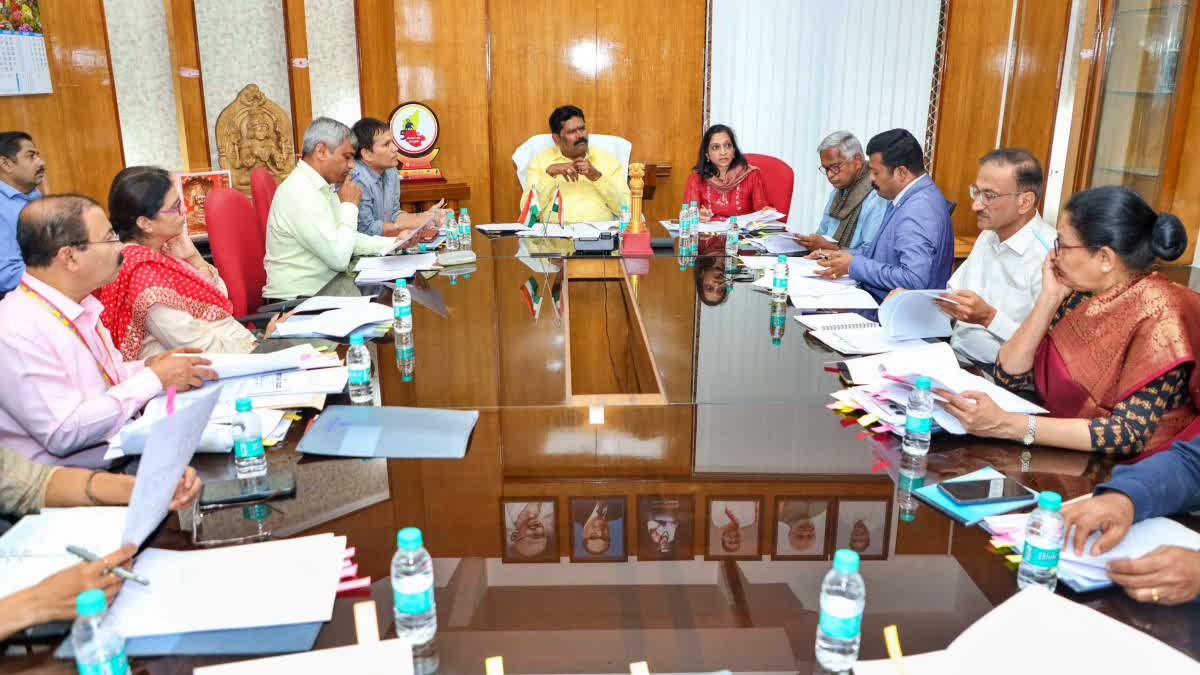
{"x": 74, "y": 329}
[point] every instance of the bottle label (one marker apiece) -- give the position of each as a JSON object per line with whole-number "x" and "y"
{"x": 360, "y": 376}
{"x": 840, "y": 618}
{"x": 250, "y": 447}
{"x": 779, "y": 281}
{"x": 910, "y": 483}
{"x": 404, "y": 353}
{"x": 918, "y": 425}
{"x": 778, "y": 320}
{"x": 413, "y": 595}
{"x": 1040, "y": 557}
{"x": 402, "y": 311}
{"x": 116, "y": 665}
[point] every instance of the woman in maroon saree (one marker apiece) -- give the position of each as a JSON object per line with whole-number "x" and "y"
{"x": 1110, "y": 347}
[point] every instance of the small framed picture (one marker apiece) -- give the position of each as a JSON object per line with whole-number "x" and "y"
{"x": 862, "y": 526}
{"x": 665, "y": 526}
{"x": 734, "y": 528}
{"x": 193, "y": 191}
{"x": 530, "y": 529}
{"x": 598, "y": 529}
{"x": 802, "y": 529}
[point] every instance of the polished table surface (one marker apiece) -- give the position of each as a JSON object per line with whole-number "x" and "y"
{"x": 696, "y": 400}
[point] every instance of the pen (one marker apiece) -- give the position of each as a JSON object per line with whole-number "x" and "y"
{"x": 119, "y": 571}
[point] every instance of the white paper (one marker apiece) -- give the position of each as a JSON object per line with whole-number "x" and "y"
{"x": 778, "y": 244}
{"x": 957, "y": 381}
{"x": 931, "y": 663}
{"x": 862, "y": 340}
{"x": 396, "y": 262}
{"x": 337, "y": 322}
{"x": 169, "y": 449}
{"x": 273, "y": 583}
{"x": 1140, "y": 539}
{"x": 910, "y": 315}
{"x": 846, "y": 297}
{"x": 499, "y": 228}
{"x": 35, "y": 548}
{"x": 941, "y": 294}
{"x": 321, "y": 303}
{"x": 710, "y": 227}
{"x": 929, "y": 356}
{"x": 237, "y": 365}
{"x": 838, "y": 321}
{"x": 387, "y": 657}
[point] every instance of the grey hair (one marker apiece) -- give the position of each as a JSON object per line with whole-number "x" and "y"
{"x": 845, "y": 142}
{"x": 328, "y": 132}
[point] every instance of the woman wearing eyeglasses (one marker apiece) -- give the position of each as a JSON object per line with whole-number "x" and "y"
{"x": 165, "y": 295}
{"x": 1110, "y": 347}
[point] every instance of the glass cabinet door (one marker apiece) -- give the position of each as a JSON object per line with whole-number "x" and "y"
{"x": 1138, "y": 97}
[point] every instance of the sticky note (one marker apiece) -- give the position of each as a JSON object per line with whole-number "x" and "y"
{"x": 171, "y": 400}
{"x": 1000, "y": 544}
{"x": 366, "y": 627}
{"x": 639, "y": 668}
{"x": 867, "y": 420}
{"x": 1014, "y": 558}
{"x": 494, "y": 665}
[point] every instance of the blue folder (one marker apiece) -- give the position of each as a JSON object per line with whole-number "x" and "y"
{"x": 298, "y": 637}
{"x": 969, "y": 515}
{"x": 390, "y": 431}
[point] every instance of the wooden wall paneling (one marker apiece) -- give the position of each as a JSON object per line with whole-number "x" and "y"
{"x": 544, "y": 441}
{"x": 76, "y": 127}
{"x": 533, "y": 370}
{"x": 371, "y": 531}
{"x": 375, "y": 26}
{"x": 541, "y": 58}
{"x": 1185, "y": 202}
{"x": 653, "y": 93}
{"x": 976, "y": 52}
{"x": 189, "y": 84}
{"x": 654, "y": 442}
{"x": 667, "y": 301}
{"x": 298, "y": 80}
{"x": 440, "y": 54}
{"x": 600, "y": 339}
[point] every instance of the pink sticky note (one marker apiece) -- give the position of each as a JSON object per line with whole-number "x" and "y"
{"x": 346, "y": 563}
{"x": 171, "y": 400}
{"x": 349, "y": 552}
{"x": 349, "y": 571}
{"x": 885, "y": 428}
{"x": 353, "y": 584}
{"x": 833, "y": 406}
{"x": 880, "y": 465}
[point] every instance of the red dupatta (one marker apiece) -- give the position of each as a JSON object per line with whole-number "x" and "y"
{"x": 148, "y": 278}
{"x": 1113, "y": 344}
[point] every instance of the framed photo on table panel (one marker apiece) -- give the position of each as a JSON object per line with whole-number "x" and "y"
{"x": 193, "y": 192}
{"x": 665, "y": 527}
{"x": 529, "y": 527}
{"x": 862, "y": 526}
{"x": 733, "y": 527}
{"x": 803, "y": 528}
{"x": 598, "y": 529}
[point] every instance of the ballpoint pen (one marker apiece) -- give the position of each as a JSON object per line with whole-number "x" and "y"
{"x": 119, "y": 571}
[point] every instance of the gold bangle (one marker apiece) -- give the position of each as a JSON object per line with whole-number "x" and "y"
{"x": 87, "y": 490}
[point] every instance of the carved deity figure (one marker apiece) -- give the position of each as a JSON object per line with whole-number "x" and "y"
{"x": 254, "y": 131}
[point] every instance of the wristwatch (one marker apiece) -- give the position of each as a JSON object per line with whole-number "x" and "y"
{"x": 1030, "y": 430}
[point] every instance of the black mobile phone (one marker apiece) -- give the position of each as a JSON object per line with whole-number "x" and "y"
{"x": 282, "y": 484}
{"x": 990, "y": 491}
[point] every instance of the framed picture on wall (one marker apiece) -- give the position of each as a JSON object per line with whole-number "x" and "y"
{"x": 665, "y": 527}
{"x": 193, "y": 190}
{"x": 734, "y": 528}
{"x": 529, "y": 526}
{"x": 598, "y": 529}
{"x": 802, "y": 528}
{"x": 862, "y": 526}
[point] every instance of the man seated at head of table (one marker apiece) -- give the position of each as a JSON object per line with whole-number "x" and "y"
{"x": 995, "y": 287}
{"x": 26, "y": 486}
{"x": 854, "y": 210}
{"x": 165, "y": 295}
{"x": 591, "y": 182}
{"x": 375, "y": 171}
{"x": 312, "y": 229}
{"x": 914, "y": 247}
{"x": 723, "y": 184}
{"x": 22, "y": 171}
{"x": 66, "y": 386}
{"x": 1165, "y": 484}
{"x": 1110, "y": 346}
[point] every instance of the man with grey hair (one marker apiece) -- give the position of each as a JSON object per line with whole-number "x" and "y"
{"x": 312, "y": 230}
{"x": 854, "y": 210}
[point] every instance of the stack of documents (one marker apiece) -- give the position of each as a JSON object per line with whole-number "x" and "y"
{"x": 392, "y": 267}
{"x": 808, "y": 291}
{"x": 299, "y": 357}
{"x": 852, "y": 334}
{"x": 1087, "y": 572}
{"x": 581, "y": 230}
{"x": 1059, "y": 635}
{"x": 36, "y": 547}
{"x": 338, "y": 323}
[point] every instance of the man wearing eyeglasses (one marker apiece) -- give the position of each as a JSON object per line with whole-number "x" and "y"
{"x": 994, "y": 289}
{"x": 64, "y": 385}
{"x": 855, "y": 210}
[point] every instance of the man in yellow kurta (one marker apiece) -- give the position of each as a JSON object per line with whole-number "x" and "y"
{"x": 592, "y": 182}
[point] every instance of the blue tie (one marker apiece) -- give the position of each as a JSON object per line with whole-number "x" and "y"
{"x": 887, "y": 213}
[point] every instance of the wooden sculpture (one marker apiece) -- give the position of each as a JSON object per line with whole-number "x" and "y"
{"x": 636, "y": 240}
{"x": 254, "y": 131}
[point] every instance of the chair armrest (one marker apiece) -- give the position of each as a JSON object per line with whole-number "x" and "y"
{"x": 258, "y": 320}
{"x": 284, "y": 306}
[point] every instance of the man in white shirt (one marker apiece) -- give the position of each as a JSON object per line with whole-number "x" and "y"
{"x": 997, "y": 284}
{"x": 312, "y": 230}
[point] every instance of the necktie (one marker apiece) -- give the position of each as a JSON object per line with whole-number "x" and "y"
{"x": 887, "y": 213}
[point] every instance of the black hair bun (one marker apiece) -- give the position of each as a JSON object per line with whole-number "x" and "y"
{"x": 1168, "y": 239}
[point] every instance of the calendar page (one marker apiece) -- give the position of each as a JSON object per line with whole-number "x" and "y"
{"x": 24, "y": 68}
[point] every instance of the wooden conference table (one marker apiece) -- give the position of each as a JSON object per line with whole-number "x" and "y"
{"x": 632, "y": 388}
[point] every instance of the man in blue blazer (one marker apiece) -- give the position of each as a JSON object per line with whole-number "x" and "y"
{"x": 914, "y": 247}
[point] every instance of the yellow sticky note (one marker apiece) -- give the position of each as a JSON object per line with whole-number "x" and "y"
{"x": 291, "y": 416}
{"x": 999, "y": 544}
{"x": 494, "y": 665}
{"x": 1014, "y": 558}
{"x": 269, "y": 442}
{"x": 868, "y": 420}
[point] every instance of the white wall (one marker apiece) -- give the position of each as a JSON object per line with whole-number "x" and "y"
{"x": 785, "y": 73}
{"x": 333, "y": 60}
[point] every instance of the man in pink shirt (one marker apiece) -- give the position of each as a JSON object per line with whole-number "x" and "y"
{"x": 63, "y": 385}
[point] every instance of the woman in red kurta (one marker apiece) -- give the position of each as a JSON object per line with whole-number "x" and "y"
{"x": 723, "y": 183}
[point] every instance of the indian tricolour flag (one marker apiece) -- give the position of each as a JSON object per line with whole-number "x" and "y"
{"x": 533, "y": 301}
{"x": 529, "y": 208}
{"x": 556, "y": 205}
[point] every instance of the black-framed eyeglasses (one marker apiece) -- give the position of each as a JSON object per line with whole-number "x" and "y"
{"x": 832, "y": 169}
{"x": 986, "y": 197}
{"x": 111, "y": 238}
{"x": 1059, "y": 247}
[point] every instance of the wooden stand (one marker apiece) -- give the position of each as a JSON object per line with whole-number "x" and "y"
{"x": 636, "y": 240}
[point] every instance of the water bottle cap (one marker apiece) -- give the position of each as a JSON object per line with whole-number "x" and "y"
{"x": 1051, "y": 501}
{"x": 406, "y": 378}
{"x": 907, "y": 517}
{"x": 463, "y": 210}
{"x": 924, "y": 382}
{"x": 733, "y": 219}
{"x": 243, "y": 405}
{"x": 624, "y": 207}
{"x": 90, "y": 603}
{"x": 845, "y": 561}
{"x": 682, "y": 267}
{"x": 409, "y": 539}
{"x": 401, "y": 283}
{"x": 776, "y": 342}
{"x": 356, "y": 339}
{"x": 782, "y": 258}
{"x": 693, "y": 202}
{"x": 421, "y": 248}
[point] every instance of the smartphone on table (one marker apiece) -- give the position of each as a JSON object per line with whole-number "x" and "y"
{"x": 988, "y": 491}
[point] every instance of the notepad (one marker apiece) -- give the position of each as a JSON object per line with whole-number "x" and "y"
{"x": 969, "y": 515}
{"x": 838, "y": 321}
{"x": 865, "y": 340}
{"x": 35, "y": 547}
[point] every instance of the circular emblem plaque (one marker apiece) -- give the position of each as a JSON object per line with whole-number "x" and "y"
{"x": 415, "y": 128}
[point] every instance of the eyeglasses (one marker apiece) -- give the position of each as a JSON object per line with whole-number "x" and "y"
{"x": 832, "y": 169}
{"x": 986, "y": 197}
{"x": 1059, "y": 248}
{"x": 110, "y": 238}
{"x": 177, "y": 209}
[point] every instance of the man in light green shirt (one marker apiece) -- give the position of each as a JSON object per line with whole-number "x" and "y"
{"x": 312, "y": 230}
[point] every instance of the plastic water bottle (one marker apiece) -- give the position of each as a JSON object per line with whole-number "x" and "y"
{"x": 412, "y": 596}
{"x": 405, "y": 360}
{"x": 694, "y": 213}
{"x": 452, "y": 243}
{"x": 402, "y": 308}
{"x": 778, "y": 320}
{"x": 464, "y": 229}
{"x": 623, "y": 218}
{"x": 731, "y": 238}
{"x": 843, "y": 597}
{"x": 779, "y": 279}
{"x": 99, "y": 648}
{"x": 249, "y": 457}
{"x": 911, "y": 479}
{"x": 918, "y": 421}
{"x": 358, "y": 359}
{"x": 1043, "y": 540}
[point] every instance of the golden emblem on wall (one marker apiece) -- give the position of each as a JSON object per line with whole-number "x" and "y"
{"x": 254, "y": 131}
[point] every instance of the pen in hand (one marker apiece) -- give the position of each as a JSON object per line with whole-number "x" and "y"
{"x": 88, "y": 556}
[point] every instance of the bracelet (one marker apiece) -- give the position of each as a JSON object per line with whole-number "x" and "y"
{"x": 87, "y": 490}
